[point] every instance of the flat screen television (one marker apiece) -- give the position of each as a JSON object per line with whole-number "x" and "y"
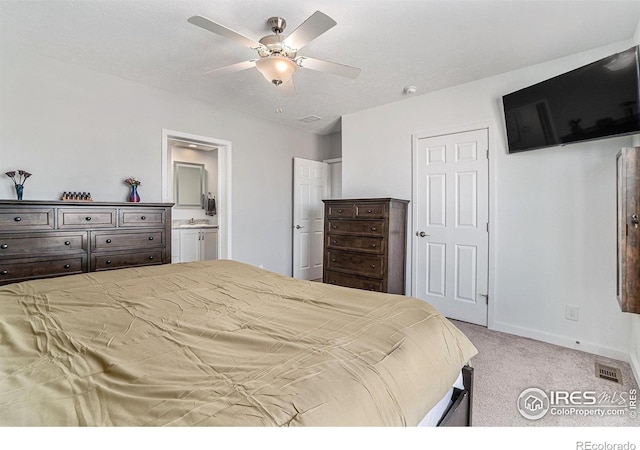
{"x": 597, "y": 101}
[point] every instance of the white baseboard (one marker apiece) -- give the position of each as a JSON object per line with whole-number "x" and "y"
{"x": 564, "y": 341}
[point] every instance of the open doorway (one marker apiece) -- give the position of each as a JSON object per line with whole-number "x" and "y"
{"x": 172, "y": 143}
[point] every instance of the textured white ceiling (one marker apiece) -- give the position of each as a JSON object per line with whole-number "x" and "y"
{"x": 431, "y": 44}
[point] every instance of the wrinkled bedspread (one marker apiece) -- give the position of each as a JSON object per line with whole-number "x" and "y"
{"x": 218, "y": 343}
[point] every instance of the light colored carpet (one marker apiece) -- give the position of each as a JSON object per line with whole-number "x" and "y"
{"x": 506, "y": 365}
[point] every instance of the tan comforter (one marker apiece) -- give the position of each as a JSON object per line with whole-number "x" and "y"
{"x": 218, "y": 343}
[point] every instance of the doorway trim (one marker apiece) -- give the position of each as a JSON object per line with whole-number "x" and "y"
{"x": 224, "y": 182}
{"x": 491, "y": 128}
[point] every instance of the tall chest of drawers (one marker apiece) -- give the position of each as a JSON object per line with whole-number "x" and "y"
{"x": 365, "y": 243}
{"x": 41, "y": 239}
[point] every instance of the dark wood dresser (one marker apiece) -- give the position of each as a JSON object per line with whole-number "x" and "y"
{"x": 365, "y": 243}
{"x": 40, "y": 239}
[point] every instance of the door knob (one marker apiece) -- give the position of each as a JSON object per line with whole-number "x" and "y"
{"x": 298, "y": 227}
{"x": 422, "y": 234}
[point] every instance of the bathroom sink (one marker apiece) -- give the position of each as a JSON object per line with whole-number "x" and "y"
{"x": 195, "y": 225}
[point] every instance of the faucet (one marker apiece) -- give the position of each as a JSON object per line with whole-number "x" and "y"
{"x": 192, "y": 221}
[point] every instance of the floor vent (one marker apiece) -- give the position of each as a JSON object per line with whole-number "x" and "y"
{"x": 608, "y": 373}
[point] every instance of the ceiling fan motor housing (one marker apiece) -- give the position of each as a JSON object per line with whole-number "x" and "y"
{"x": 274, "y": 44}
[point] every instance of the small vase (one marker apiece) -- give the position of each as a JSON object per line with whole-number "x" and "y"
{"x": 19, "y": 189}
{"x": 133, "y": 196}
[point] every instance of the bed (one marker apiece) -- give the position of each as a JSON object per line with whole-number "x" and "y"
{"x": 222, "y": 343}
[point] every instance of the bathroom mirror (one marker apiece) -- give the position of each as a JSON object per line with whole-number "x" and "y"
{"x": 188, "y": 184}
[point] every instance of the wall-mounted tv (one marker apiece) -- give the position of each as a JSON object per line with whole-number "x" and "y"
{"x": 596, "y": 101}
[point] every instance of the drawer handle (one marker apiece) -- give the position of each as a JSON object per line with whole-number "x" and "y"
{"x": 151, "y": 238}
{"x": 333, "y": 260}
{"x": 108, "y": 241}
{"x": 66, "y": 266}
{"x": 4, "y": 272}
{"x": 333, "y": 282}
{"x": 335, "y": 227}
{"x": 369, "y": 211}
{"x": 373, "y": 245}
{"x": 108, "y": 261}
{"x": 334, "y": 242}
{"x": 17, "y": 219}
{"x": 373, "y": 228}
{"x": 339, "y": 210}
{"x": 67, "y": 242}
{"x": 87, "y": 219}
{"x": 143, "y": 218}
{"x": 150, "y": 257}
{"x": 4, "y": 246}
{"x": 373, "y": 266}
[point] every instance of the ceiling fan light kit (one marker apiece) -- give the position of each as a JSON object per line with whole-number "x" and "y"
{"x": 276, "y": 69}
{"x": 278, "y": 60}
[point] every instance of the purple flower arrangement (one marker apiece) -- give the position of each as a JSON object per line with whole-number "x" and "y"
{"x": 133, "y": 183}
{"x": 21, "y": 177}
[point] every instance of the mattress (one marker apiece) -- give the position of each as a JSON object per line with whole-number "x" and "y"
{"x": 219, "y": 343}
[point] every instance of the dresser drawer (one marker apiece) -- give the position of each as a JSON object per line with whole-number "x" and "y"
{"x": 371, "y": 210}
{"x": 341, "y": 210}
{"x": 370, "y": 227}
{"x": 30, "y": 268}
{"x": 360, "y": 263}
{"x": 109, "y": 261}
{"x": 26, "y": 219}
{"x": 86, "y": 218}
{"x": 106, "y": 240}
{"x": 354, "y": 242}
{"x": 38, "y": 243}
{"x": 343, "y": 279}
{"x": 142, "y": 217}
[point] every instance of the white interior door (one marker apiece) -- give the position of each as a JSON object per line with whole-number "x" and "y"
{"x": 310, "y": 187}
{"x": 451, "y": 215}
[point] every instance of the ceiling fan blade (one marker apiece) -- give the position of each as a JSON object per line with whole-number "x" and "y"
{"x": 230, "y": 69}
{"x": 287, "y": 89}
{"x": 327, "y": 66}
{"x": 221, "y": 30}
{"x": 314, "y": 26}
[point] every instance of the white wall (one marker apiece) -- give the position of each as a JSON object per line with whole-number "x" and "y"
{"x": 332, "y": 145}
{"x": 552, "y": 210}
{"x": 78, "y": 130}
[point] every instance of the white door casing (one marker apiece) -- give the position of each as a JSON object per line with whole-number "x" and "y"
{"x": 451, "y": 216}
{"x": 310, "y": 187}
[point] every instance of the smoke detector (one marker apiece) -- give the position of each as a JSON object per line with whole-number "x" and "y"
{"x": 408, "y": 90}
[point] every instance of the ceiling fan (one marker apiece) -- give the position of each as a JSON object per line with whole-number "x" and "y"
{"x": 278, "y": 54}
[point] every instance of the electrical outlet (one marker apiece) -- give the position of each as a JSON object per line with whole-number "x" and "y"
{"x": 571, "y": 312}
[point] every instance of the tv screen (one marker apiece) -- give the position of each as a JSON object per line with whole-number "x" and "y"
{"x": 596, "y": 101}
